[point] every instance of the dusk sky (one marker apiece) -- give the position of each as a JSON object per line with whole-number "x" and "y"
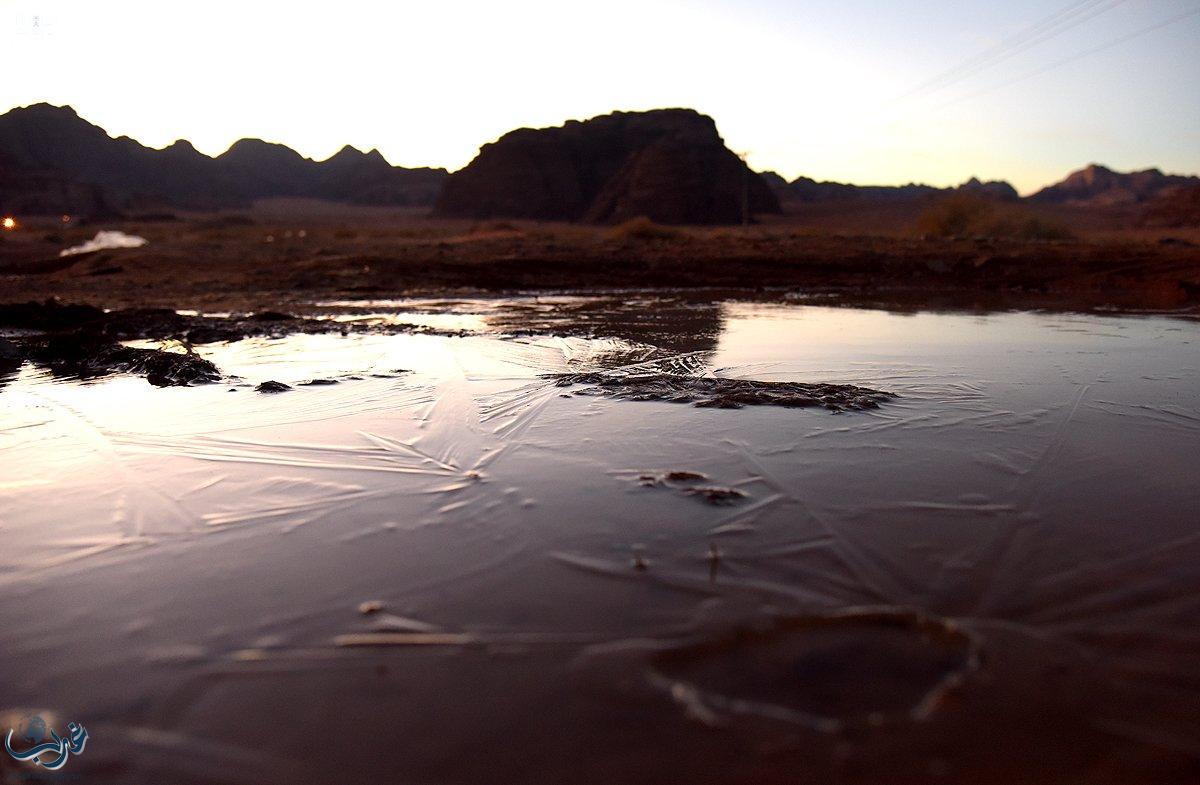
{"x": 847, "y": 90}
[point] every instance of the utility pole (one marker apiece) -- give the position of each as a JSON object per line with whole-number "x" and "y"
{"x": 745, "y": 188}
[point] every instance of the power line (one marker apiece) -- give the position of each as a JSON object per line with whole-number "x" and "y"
{"x": 1038, "y": 33}
{"x": 1077, "y": 56}
{"x": 1012, "y": 40}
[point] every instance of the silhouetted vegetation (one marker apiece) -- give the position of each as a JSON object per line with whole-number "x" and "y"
{"x": 970, "y": 215}
{"x": 642, "y": 228}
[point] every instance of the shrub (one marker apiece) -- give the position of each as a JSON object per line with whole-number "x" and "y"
{"x": 964, "y": 214}
{"x": 642, "y": 228}
{"x": 956, "y": 215}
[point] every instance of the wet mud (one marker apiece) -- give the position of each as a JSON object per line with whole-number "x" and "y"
{"x": 85, "y": 342}
{"x": 84, "y": 357}
{"x": 720, "y": 393}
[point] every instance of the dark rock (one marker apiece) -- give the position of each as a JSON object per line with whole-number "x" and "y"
{"x": 10, "y": 359}
{"x": 716, "y": 495}
{"x": 86, "y": 357}
{"x": 50, "y": 315}
{"x": 273, "y": 387}
{"x": 271, "y": 316}
{"x": 725, "y": 393}
{"x": 669, "y": 165}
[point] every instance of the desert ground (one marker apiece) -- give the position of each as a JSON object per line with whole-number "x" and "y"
{"x": 288, "y": 252}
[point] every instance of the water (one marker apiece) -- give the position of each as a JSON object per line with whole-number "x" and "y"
{"x": 104, "y": 241}
{"x": 992, "y": 577}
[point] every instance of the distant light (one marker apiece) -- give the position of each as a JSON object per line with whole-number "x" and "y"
{"x": 66, "y": 218}
{"x": 10, "y": 223}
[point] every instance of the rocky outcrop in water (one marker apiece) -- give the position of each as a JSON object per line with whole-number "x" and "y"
{"x": 721, "y": 393}
{"x": 669, "y": 165}
{"x": 84, "y": 357}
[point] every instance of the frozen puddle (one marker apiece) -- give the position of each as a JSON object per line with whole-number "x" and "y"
{"x": 998, "y": 564}
{"x": 104, "y": 241}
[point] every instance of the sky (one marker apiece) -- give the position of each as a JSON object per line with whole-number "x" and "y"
{"x": 859, "y": 91}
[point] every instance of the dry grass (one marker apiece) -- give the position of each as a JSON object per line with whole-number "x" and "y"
{"x": 642, "y": 228}
{"x": 970, "y": 215}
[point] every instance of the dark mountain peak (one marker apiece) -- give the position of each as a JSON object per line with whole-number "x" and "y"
{"x": 356, "y": 166}
{"x": 46, "y": 110}
{"x": 807, "y": 190}
{"x": 352, "y": 156}
{"x": 669, "y": 165}
{"x": 348, "y": 152}
{"x": 256, "y": 152}
{"x": 44, "y": 137}
{"x": 1092, "y": 173}
{"x": 63, "y": 164}
{"x": 41, "y": 119}
{"x": 654, "y": 123}
{"x": 1096, "y": 184}
{"x": 182, "y": 149}
{"x": 992, "y": 189}
{"x": 774, "y": 179}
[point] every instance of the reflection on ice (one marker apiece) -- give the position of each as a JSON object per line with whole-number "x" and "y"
{"x": 1028, "y": 497}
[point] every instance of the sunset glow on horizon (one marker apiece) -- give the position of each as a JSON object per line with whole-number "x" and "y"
{"x": 832, "y": 90}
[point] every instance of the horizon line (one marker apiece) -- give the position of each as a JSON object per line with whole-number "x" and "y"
{"x": 377, "y": 151}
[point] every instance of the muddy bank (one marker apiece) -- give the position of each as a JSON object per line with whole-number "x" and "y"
{"x": 81, "y": 356}
{"x": 282, "y": 263}
{"x": 54, "y": 316}
{"x": 83, "y": 341}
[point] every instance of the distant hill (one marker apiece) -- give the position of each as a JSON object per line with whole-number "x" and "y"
{"x": 1174, "y": 208}
{"x": 52, "y": 160}
{"x": 669, "y": 165}
{"x": 1097, "y": 185}
{"x": 806, "y": 190}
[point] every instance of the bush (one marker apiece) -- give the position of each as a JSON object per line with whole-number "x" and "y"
{"x": 964, "y": 214}
{"x": 954, "y": 216}
{"x": 642, "y": 228}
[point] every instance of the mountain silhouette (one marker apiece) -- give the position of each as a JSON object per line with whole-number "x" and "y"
{"x": 806, "y": 190}
{"x": 1097, "y": 185}
{"x": 669, "y": 165}
{"x": 52, "y": 160}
